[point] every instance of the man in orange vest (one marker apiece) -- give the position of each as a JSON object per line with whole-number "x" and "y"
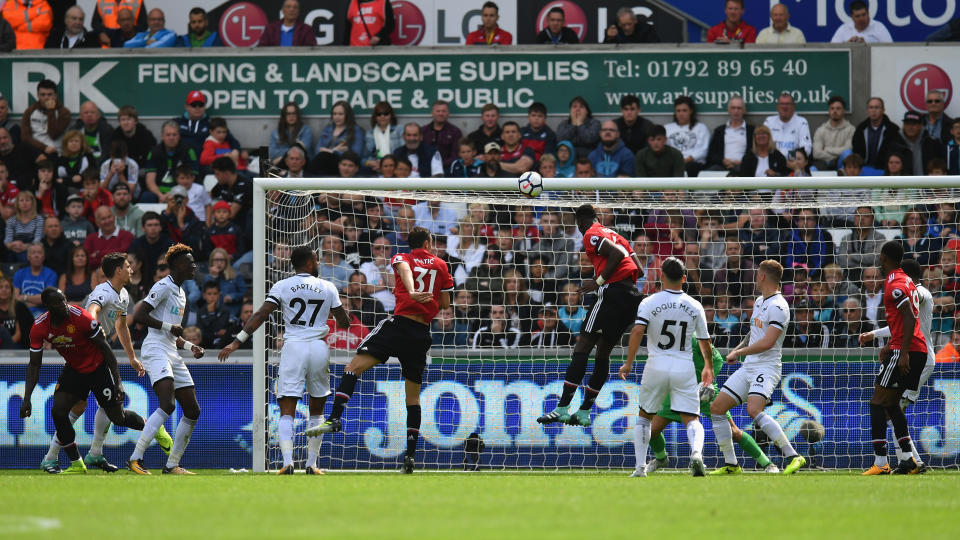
{"x": 31, "y": 21}
{"x": 105, "y": 15}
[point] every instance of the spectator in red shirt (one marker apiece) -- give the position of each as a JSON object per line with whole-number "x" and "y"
{"x": 515, "y": 158}
{"x": 489, "y": 32}
{"x": 109, "y": 239}
{"x": 733, "y": 28}
{"x": 441, "y": 134}
{"x": 93, "y": 195}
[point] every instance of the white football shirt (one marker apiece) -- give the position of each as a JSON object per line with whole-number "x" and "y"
{"x": 671, "y": 317}
{"x": 306, "y": 302}
{"x": 770, "y": 311}
{"x": 113, "y": 304}
{"x": 169, "y": 304}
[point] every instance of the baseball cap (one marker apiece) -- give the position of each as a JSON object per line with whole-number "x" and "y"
{"x": 912, "y": 116}
{"x": 177, "y": 191}
{"x": 221, "y": 205}
{"x": 74, "y": 197}
{"x": 196, "y": 96}
{"x": 491, "y": 147}
{"x": 118, "y": 187}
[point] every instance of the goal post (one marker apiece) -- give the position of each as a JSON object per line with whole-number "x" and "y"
{"x": 496, "y": 390}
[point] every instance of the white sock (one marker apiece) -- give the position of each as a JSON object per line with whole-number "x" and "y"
{"x": 879, "y": 461}
{"x": 53, "y": 453}
{"x": 313, "y": 443}
{"x": 150, "y": 428}
{"x": 775, "y": 433}
{"x": 695, "y": 437}
{"x": 180, "y": 440}
{"x": 285, "y": 435}
{"x": 101, "y": 425}
{"x": 641, "y": 439}
{"x": 916, "y": 455}
{"x": 724, "y": 435}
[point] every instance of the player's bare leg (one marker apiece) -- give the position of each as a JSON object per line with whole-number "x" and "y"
{"x": 190, "y": 407}
{"x": 288, "y": 409}
{"x": 358, "y": 364}
{"x": 574, "y": 377}
{"x": 50, "y": 462}
{"x": 412, "y": 392}
{"x": 164, "y": 392}
{"x": 313, "y": 443}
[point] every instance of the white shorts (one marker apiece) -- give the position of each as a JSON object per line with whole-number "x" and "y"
{"x": 655, "y": 384}
{"x": 913, "y": 395}
{"x": 759, "y": 380}
{"x": 162, "y": 363}
{"x": 304, "y": 363}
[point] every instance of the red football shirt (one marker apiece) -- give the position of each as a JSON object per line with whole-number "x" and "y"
{"x": 430, "y": 274}
{"x": 72, "y": 339}
{"x": 897, "y": 289}
{"x": 595, "y": 236}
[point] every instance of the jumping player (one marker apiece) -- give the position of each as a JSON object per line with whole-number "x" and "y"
{"x": 422, "y": 290}
{"x": 306, "y": 302}
{"x": 90, "y": 367}
{"x": 617, "y": 269}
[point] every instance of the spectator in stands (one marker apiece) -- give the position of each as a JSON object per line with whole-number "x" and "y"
{"x": 179, "y": 221}
{"x": 611, "y": 158}
{"x": 466, "y": 165}
{"x": 128, "y": 214}
{"x": 491, "y": 163}
{"x": 213, "y": 319}
{"x": 690, "y": 137}
{"x": 951, "y": 149}
{"x": 223, "y": 232}
{"x": 917, "y": 243}
{"x": 861, "y": 28}
{"x": 23, "y": 228}
{"x": 138, "y": 138}
{"x": 497, "y": 332}
{"x": 108, "y": 14}
{"x": 804, "y": 332}
{"x": 383, "y": 137}
{"x": 733, "y": 28}
{"x": 839, "y": 287}
{"x": 76, "y": 279}
{"x": 348, "y": 165}
{"x": 876, "y": 136}
{"x": 447, "y": 331}
{"x": 156, "y": 35}
{"x": 30, "y": 280}
{"x": 873, "y": 294}
{"x": 95, "y": 128}
{"x": 537, "y": 135}
{"x": 556, "y": 250}
{"x": 852, "y": 323}
{"x": 93, "y": 195}
{"x": 936, "y": 122}
{"x": 943, "y": 222}
{"x": 441, "y": 134}
{"x": 834, "y": 137}
{"x": 118, "y": 168}
{"x": 658, "y": 160}
{"x": 76, "y": 227}
{"x": 549, "y": 331}
{"x": 109, "y": 239}
{"x": 288, "y": 31}
{"x": 760, "y": 240}
{"x": 332, "y": 266}
{"x": 583, "y": 168}
{"x": 198, "y": 199}
{"x": 369, "y": 23}
{"x": 921, "y": 147}
{"x": 489, "y": 32}
{"x": 949, "y": 353}
{"x": 125, "y": 25}
{"x": 763, "y": 159}
{"x": 50, "y": 195}
{"x": 199, "y": 35}
{"x": 808, "y": 243}
{"x": 571, "y": 312}
{"x": 556, "y": 32}
{"x": 404, "y": 220}
{"x": 31, "y": 21}
{"x": 731, "y": 140}
{"x": 8, "y": 38}
{"x": 217, "y": 145}
{"x": 861, "y": 248}
{"x": 341, "y": 134}
{"x": 74, "y": 161}
{"x": 295, "y": 161}
{"x": 738, "y": 274}
{"x": 780, "y": 32}
{"x": 154, "y": 242}
{"x": 437, "y": 219}
{"x": 194, "y": 123}
{"x": 291, "y": 130}
{"x": 8, "y": 194}
{"x": 515, "y": 158}
{"x": 14, "y": 315}
{"x": 630, "y": 28}
{"x": 489, "y": 130}
{"x": 789, "y": 130}
{"x": 20, "y": 159}
{"x": 231, "y": 286}
{"x": 367, "y": 308}
{"x": 822, "y": 302}
{"x": 44, "y": 122}
{"x": 72, "y": 35}
{"x": 634, "y": 128}
{"x": 547, "y": 167}
{"x": 566, "y": 159}
{"x": 487, "y": 279}
{"x": 164, "y": 160}
{"x": 424, "y": 158}
{"x": 521, "y": 309}
{"x": 14, "y": 127}
{"x": 378, "y": 273}
{"x": 56, "y": 248}
{"x": 580, "y": 128}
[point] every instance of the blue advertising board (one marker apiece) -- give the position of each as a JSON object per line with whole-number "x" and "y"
{"x": 500, "y": 401}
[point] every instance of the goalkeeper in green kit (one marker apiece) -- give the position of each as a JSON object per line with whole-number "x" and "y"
{"x": 664, "y": 416}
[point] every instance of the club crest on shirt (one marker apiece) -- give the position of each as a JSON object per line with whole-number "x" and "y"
{"x": 71, "y": 329}
{"x": 594, "y": 240}
{"x": 897, "y": 293}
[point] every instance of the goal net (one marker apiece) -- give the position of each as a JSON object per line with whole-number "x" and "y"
{"x": 501, "y": 351}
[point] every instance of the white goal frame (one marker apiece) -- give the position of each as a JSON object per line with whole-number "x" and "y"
{"x": 262, "y": 185}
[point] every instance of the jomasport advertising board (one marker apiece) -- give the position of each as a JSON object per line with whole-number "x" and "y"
{"x": 903, "y": 76}
{"x": 500, "y": 401}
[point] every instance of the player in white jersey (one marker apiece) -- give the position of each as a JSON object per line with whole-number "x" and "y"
{"x": 306, "y": 302}
{"x": 754, "y": 382}
{"x": 162, "y": 312}
{"x": 912, "y": 269}
{"x": 107, "y": 303}
{"x": 670, "y": 315}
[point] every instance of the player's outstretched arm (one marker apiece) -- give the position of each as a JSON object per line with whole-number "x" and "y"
{"x": 123, "y": 334}
{"x": 763, "y": 344}
{"x": 141, "y": 315}
{"x": 33, "y": 375}
{"x": 706, "y": 349}
{"x": 636, "y": 338}
{"x": 253, "y": 323}
{"x": 614, "y": 255}
{"x": 867, "y": 337}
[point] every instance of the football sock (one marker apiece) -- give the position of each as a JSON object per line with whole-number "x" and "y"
{"x": 776, "y": 434}
{"x": 589, "y": 396}
{"x": 695, "y": 436}
{"x": 413, "y": 429}
{"x": 878, "y": 434}
{"x": 753, "y": 449}
{"x": 721, "y": 429}
{"x": 182, "y": 438}
{"x": 101, "y": 425}
{"x": 900, "y": 430}
{"x": 149, "y": 432}
{"x": 601, "y": 368}
{"x": 54, "y": 451}
{"x": 72, "y": 452}
{"x": 916, "y": 455}
{"x": 658, "y": 443}
{"x": 313, "y": 443}
{"x": 285, "y": 436}
{"x": 344, "y": 392}
{"x": 641, "y": 438}
{"x": 573, "y": 377}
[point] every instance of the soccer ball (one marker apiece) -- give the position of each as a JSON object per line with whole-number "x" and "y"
{"x": 530, "y": 184}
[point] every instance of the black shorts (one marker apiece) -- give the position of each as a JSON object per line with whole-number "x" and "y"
{"x": 404, "y": 338}
{"x": 614, "y": 311}
{"x": 891, "y": 377}
{"x": 99, "y": 381}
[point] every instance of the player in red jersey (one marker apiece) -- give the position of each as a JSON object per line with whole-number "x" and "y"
{"x": 90, "y": 367}
{"x": 901, "y": 362}
{"x": 617, "y": 269}
{"x": 422, "y": 290}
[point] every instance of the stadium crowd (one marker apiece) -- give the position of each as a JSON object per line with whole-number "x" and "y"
{"x": 74, "y": 186}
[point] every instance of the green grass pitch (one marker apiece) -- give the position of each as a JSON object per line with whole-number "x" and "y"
{"x": 581, "y": 505}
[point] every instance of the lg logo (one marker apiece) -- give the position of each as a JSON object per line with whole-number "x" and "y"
{"x": 410, "y": 24}
{"x": 920, "y": 80}
{"x": 242, "y": 25}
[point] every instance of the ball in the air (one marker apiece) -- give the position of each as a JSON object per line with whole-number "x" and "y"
{"x": 812, "y": 431}
{"x": 530, "y": 184}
